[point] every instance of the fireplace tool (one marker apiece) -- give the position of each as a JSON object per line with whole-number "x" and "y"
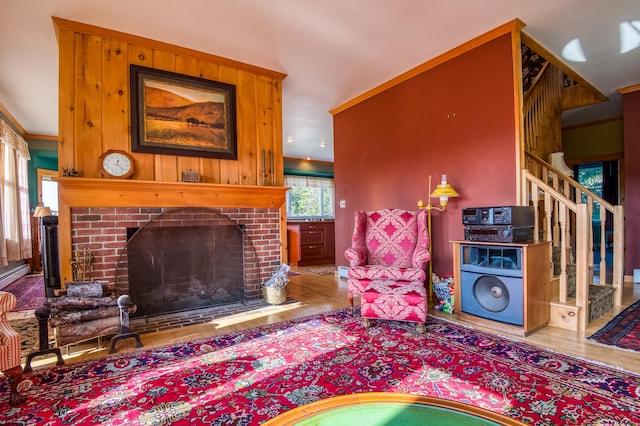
{"x": 125, "y": 305}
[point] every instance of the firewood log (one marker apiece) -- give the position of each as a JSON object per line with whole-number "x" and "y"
{"x": 73, "y": 333}
{"x": 85, "y": 288}
{"x": 80, "y": 303}
{"x": 59, "y": 317}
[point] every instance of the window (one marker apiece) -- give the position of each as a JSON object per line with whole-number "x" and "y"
{"x": 310, "y": 197}
{"x": 590, "y": 176}
{"x": 48, "y": 189}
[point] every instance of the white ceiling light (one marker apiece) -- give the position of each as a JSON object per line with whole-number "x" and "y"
{"x": 572, "y": 51}
{"x": 629, "y": 36}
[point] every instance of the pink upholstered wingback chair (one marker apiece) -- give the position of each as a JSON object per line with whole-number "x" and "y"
{"x": 387, "y": 258}
{"x": 10, "y": 357}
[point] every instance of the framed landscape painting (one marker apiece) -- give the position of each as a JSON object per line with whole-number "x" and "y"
{"x": 177, "y": 114}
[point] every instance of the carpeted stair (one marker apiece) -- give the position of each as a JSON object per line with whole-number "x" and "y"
{"x": 600, "y": 296}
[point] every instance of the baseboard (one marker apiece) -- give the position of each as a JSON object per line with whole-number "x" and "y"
{"x": 13, "y": 275}
{"x": 630, "y": 280}
{"x": 343, "y": 272}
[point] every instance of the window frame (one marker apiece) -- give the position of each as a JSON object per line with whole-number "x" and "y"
{"x": 323, "y": 188}
{"x": 46, "y": 174}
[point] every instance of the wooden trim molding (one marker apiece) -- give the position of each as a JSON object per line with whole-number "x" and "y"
{"x": 512, "y": 26}
{"x": 86, "y": 192}
{"x": 49, "y": 138}
{"x": 598, "y": 96}
{"x": 60, "y": 23}
{"x": 11, "y": 120}
{"x": 629, "y": 89}
{"x": 325, "y": 409}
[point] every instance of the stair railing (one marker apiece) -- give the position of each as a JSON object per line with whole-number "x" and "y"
{"x": 542, "y": 106}
{"x": 567, "y": 209}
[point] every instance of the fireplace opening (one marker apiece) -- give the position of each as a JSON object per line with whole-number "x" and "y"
{"x": 185, "y": 260}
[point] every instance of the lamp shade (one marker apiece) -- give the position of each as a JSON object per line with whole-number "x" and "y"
{"x": 444, "y": 190}
{"x": 42, "y": 211}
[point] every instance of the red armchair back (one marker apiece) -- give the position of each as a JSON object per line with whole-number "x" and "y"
{"x": 387, "y": 244}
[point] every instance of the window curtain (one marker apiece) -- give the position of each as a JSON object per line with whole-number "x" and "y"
{"x": 15, "y": 233}
{"x": 313, "y": 182}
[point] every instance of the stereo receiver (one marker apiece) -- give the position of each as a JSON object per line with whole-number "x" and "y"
{"x": 500, "y": 233}
{"x": 517, "y": 216}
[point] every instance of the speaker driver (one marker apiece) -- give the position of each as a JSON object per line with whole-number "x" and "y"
{"x": 491, "y": 293}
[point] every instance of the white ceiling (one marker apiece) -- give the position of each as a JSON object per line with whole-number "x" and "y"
{"x": 332, "y": 50}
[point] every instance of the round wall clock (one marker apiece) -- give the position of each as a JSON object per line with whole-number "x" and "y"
{"x": 116, "y": 164}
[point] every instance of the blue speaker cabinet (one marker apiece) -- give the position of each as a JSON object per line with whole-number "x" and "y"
{"x": 503, "y": 286}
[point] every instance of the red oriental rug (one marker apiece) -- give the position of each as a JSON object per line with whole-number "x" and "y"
{"x": 247, "y": 377}
{"x": 29, "y": 290}
{"x": 623, "y": 331}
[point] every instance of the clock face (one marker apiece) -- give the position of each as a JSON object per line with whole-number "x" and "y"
{"x": 117, "y": 164}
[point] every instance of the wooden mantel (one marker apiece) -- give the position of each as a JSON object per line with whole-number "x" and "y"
{"x": 86, "y": 192}
{"x": 81, "y": 192}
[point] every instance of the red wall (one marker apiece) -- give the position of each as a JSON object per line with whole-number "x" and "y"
{"x": 456, "y": 119}
{"x": 631, "y": 114}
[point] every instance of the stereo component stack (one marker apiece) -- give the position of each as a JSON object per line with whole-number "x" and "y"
{"x": 511, "y": 224}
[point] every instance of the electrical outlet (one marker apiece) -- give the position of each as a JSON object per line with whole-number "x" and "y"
{"x": 343, "y": 204}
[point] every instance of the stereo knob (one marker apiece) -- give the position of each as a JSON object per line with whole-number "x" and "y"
{"x": 506, "y": 232}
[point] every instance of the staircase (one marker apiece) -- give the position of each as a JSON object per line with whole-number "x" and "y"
{"x": 565, "y": 208}
{"x": 564, "y": 217}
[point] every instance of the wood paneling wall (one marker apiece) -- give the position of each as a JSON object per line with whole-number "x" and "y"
{"x": 94, "y": 99}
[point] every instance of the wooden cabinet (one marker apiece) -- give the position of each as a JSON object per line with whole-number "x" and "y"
{"x": 503, "y": 286}
{"x": 311, "y": 243}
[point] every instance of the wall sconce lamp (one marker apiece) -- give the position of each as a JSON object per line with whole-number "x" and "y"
{"x": 443, "y": 191}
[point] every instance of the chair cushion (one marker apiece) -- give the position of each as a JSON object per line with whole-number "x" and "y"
{"x": 390, "y": 237}
{"x": 356, "y": 287}
{"x": 379, "y": 272}
{"x": 398, "y": 301}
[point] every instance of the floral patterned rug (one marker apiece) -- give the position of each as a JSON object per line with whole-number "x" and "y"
{"x": 29, "y": 290}
{"x": 247, "y": 377}
{"x": 623, "y": 331}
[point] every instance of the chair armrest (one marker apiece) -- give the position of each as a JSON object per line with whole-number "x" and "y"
{"x": 420, "y": 258}
{"x": 7, "y": 302}
{"x": 356, "y": 256}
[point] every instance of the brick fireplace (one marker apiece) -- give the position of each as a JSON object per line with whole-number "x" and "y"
{"x": 105, "y": 231}
{"x": 95, "y": 214}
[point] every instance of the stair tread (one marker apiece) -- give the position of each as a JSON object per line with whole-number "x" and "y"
{"x": 571, "y": 301}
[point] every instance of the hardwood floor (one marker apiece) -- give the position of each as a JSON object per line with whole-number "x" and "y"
{"x": 322, "y": 293}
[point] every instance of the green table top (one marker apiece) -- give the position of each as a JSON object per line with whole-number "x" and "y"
{"x": 388, "y": 414}
{"x": 389, "y": 409}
